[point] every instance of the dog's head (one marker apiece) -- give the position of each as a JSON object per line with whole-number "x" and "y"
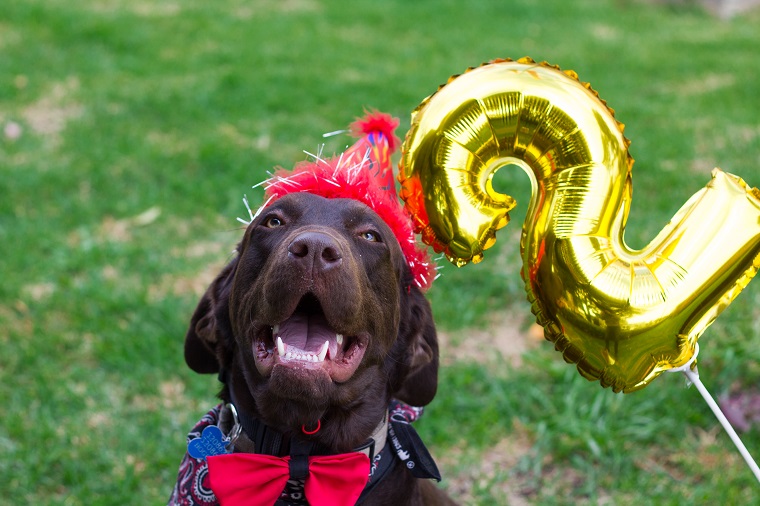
{"x": 317, "y": 317}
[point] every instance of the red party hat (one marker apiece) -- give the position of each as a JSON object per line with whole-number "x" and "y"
{"x": 363, "y": 172}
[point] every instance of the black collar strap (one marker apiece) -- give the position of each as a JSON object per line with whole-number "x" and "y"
{"x": 268, "y": 441}
{"x": 265, "y": 440}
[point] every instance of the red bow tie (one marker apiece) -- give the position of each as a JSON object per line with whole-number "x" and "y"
{"x": 248, "y": 479}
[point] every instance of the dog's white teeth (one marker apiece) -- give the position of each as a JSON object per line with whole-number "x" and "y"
{"x": 339, "y": 338}
{"x": 280, "y": 347}
{"x": 275, "y": 330}
{"x": 292, "y": 353}
{"x": 323, "y": 351}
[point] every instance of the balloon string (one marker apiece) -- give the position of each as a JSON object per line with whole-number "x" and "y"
{"x": 694, "y": 378}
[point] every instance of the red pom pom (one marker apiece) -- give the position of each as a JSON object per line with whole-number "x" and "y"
{"x": 377, "y": 122}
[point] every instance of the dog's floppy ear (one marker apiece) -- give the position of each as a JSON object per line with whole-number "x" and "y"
{"x": 210, "y": 325}
{"x": 418, "y": 386}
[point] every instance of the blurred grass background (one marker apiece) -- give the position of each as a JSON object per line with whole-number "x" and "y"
{"x": 132, "y": 129}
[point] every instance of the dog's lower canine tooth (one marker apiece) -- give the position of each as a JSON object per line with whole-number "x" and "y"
{"x": 280, "y": 347}
{"x": 323, "y": 352}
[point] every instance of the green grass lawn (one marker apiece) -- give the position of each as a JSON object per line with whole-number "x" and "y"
{"x": 130, "y": 131}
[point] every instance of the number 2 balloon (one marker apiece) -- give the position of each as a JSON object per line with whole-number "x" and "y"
{"x": 623, "y": 316}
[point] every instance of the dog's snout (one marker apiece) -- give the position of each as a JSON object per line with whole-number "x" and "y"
{"x": 315, "y": 251}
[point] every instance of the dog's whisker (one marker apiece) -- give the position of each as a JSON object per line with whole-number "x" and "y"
{"x": 388, "y": 356}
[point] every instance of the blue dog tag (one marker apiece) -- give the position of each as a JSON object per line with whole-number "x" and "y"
{"x": 211, "y": 442}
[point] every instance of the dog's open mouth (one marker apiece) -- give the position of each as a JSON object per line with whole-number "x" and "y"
{"x": 306, "y": 340}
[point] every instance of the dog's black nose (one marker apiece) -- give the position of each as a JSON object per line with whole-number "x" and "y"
{"x": 315, "y": 251}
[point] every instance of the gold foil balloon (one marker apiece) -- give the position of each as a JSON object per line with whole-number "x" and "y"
{"x": 623, "y": 316}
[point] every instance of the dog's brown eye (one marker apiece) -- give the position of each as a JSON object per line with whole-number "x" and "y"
{"x": 370, "y": 236}
{"x": 273, "y": 222}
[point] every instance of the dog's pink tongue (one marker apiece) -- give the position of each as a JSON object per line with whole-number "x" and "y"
{"x": 306, "y": 332}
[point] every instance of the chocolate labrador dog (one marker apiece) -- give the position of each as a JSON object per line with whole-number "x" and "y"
{"x": 314, "y": 327}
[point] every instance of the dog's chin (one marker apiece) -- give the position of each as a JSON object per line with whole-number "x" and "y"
{"x": 297, "y": 384}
